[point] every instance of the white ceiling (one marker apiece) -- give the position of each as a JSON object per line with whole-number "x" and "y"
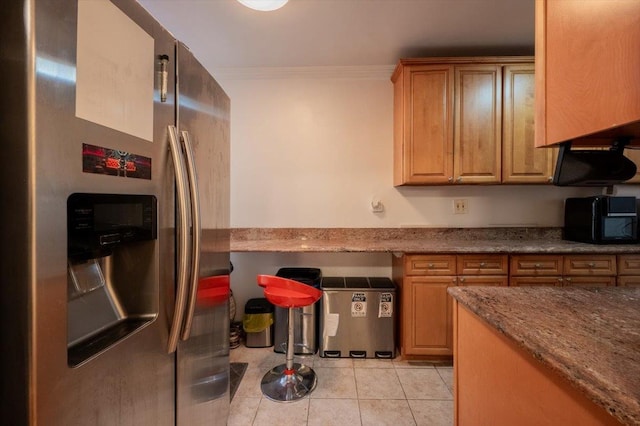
{"x": 311, "y": 33}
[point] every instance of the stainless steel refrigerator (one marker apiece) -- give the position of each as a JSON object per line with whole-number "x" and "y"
{"x": 115, "y": 221}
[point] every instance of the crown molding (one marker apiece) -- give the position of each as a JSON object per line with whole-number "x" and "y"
{"x": 365, "y": 72}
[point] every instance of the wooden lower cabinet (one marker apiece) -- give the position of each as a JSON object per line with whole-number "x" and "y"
{"x": 535, "y": 270}
{"x": 580, "y": 281}
{"x": 628, "y": 270}
{"x": 562, "y": 270}
{"x": 535, "y": 281}
{"x": 426, "y": 330}
{"x": 427, "y": 316}
{"x": 628, "y": 281}
{"x": 498, "y": 383}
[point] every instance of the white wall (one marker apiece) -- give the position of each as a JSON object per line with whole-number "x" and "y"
{"x": 313, "y": 147}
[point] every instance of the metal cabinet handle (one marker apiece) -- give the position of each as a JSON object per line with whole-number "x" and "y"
{"x": 537, "y": 265}
{"x": 182, "y": 239}
{"x": 483, "y": 264}
{"x": 591, "y": 264}
{"x": 450, "y": 179}
{"x": 459, "y": 179}
{"x": 430, "y": 265}
{"x": 196, "y": 231}
{"x": 461, "y": 279}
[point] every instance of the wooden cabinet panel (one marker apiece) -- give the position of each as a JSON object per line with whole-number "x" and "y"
{"x": 589, "y": 265}
{"x": 427, "y": 316}
{"x": 629, "y": 264}
{"x": 489, "y": 280}
{"x": 477, "y": 124}
{"x": 500, "y": 383}
{"x": 522, "y": 162}
{"x": 423, "y": 280}
{"x": 448, "y": 122}
{"x": 424, "y": 129}
{"x": 585, "y": 281}
{"x": 535, "y": 265}
{"x": 430, "y": 265}
{"x": 426, "y": 328}
{"x": 485, "y": 264}
{"x": 628, "y": 281}
{"x": 548, "y": 281}
{"x": 583, "y": 56}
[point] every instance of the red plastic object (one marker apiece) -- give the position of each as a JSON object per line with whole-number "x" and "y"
{"x": 288, "y": 293}
{"x": 213, "y": 290}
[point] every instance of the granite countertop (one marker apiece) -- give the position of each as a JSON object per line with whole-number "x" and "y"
{"x": 415, "y": 240}
{"x": 590, "y": 336}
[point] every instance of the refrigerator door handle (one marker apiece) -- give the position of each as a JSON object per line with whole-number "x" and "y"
{"x": 182, "y": 227}
{"x": 196, "y": 233}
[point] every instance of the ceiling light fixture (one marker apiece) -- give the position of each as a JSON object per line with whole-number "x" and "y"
{"x": 264, "y": 5}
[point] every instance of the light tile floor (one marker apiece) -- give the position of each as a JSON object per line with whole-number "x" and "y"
{"x": 363, "y": 392}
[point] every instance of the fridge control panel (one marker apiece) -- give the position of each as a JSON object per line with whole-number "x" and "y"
{"x": 98, "y": 221}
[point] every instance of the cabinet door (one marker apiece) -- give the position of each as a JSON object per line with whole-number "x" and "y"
{"x": 427, "y": 316}
{"x": 477, "y": 124}
{"x": 629, "y": 264}
{"x": 586, "y": 73}
{"x": 521, "y": 161}
{"x": 424, "y": 149}
{"x": 483, "y": 264}
{"x": 545, "y": 281}
{"x": 582, "y": 281}
{"x": 436, "y": 264}
{"x": 486, "y": 280}
{"x": 590, "y": 265}
{"x": 629, "y": 281}
{"x": 535, "y": 265}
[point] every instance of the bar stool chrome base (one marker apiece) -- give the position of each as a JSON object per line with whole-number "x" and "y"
{"x": 279, "y": 386}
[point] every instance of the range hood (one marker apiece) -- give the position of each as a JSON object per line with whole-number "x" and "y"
{"x": 593, "y": 167}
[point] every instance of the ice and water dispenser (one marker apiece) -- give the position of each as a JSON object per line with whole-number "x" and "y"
{"x": 112, "y": 270}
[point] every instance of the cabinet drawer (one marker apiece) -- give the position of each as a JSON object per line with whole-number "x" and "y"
{"x": 590, "y": 265}
{"x": 490, "y": 280}
{"x": 534, "y": 265}
{"x": 430, "y": 265}
{"x": 629, "y": 281}
{"x": 629, "y": 264}
{"x": 584, "y": 281}
{"x": 535, "y": 281}
{"x": 497, "y": 264}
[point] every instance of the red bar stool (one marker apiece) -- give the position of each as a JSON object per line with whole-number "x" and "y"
{"x": 290, "y": 381}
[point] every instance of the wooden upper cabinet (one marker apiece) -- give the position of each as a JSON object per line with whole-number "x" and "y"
{"x": 477, "y": 119}
{"x": 587, "y": 71}
{"x": 464, "y": 120}
{"x": 522, "y": 162}
{"x": 423, "y": 127}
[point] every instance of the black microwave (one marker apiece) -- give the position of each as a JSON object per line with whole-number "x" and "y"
{"x": 601, "y": 220}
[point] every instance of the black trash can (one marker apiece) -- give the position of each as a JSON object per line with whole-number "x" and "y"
{"x": 258, "y": 323}
{"x": 306, "y": 321}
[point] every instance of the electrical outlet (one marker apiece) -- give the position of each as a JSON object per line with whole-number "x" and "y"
{"x": 377, "y": 206}
{"x": 460, "y": 206}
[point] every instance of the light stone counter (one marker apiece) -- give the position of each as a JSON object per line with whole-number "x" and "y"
{"x": 589, "y": 336}
{"x": 415, "y": 240}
